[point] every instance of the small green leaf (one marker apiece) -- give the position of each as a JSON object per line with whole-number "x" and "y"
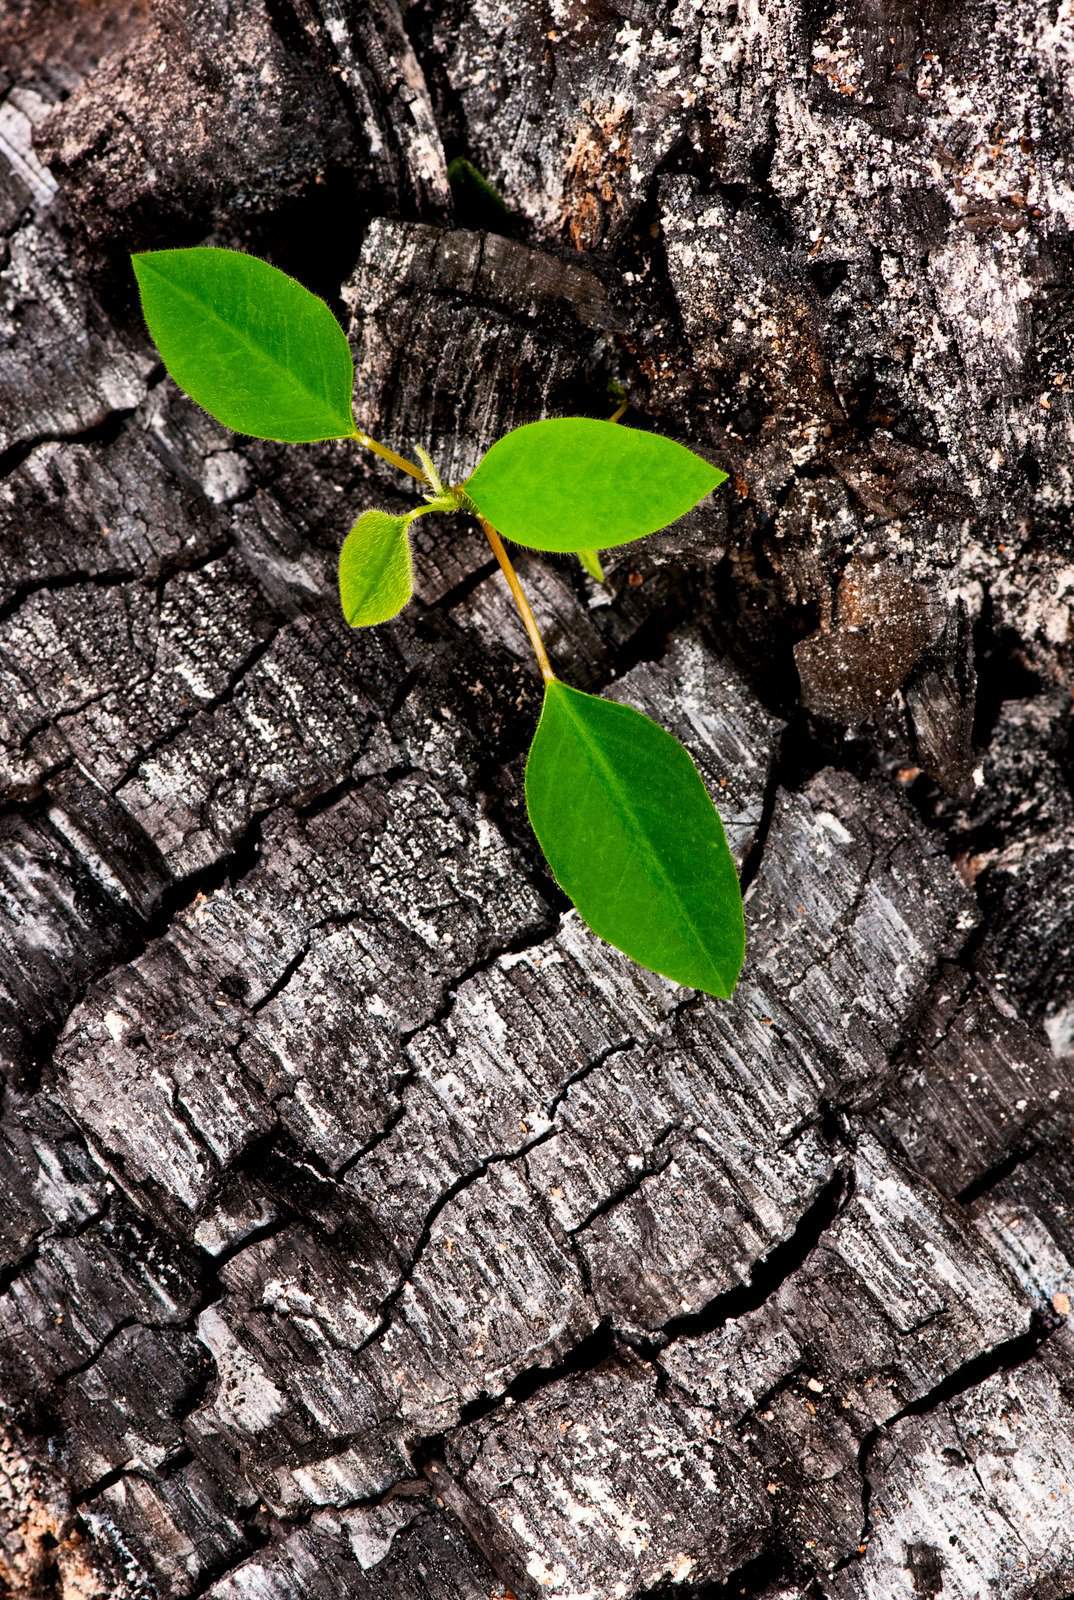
{"x": 476, "y": 199}
{"x": 634, "y": 840}
{"x": 574, "y": 483}
{"x": 376, "y": 579}
{"x": 259, "y": 352}
{"x": 590, "y": 560}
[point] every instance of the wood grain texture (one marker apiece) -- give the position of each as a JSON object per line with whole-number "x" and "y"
{"x": 368, "y": 1228}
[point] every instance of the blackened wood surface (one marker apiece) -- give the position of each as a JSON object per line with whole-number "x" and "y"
{"x": 368, "y": 1228}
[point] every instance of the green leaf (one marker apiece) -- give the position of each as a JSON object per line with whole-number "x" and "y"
{"x": 376, "y": 579}
{"x": 590, "y": 560}
{"x": 259, "y": 352}
{"x": 476, "y": 199}
{"x": 573, "y": 483}
{"x": 634, "y": 840}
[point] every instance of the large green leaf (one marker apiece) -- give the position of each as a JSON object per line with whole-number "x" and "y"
{"x": 376, "y": 578}
{"x": 633, "y": 839}
{"x": 261, "y": 353}
{"x": 574, "y": 483}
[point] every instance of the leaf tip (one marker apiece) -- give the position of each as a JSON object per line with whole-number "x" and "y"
{"x": 141, "y": 260}
{"x": 723, "y": 986}
{"x": 591, "y": 562}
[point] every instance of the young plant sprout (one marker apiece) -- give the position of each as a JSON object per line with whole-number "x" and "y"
{"x": 617, "y": 804}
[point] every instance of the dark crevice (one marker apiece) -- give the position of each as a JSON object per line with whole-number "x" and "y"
{"x": 55, "y": 583}
{"x": 203, "y": 1380}
{"x": 14, "y": 1270}
{"x": 112, "y": 578}
{"x": 102, "y": 433}
{"x": 534, "y": 934}
{"x": 1002, "y": 671}
{"x": 593, "y": 1351}
{"x": 1004, "y": 1357}
{"x": 655, "y": 1160}
{"x": 754, "y": 1578}
{"x": 445, "y": 99}
{"x": 82, "y": 1497}
{"x": 769, "y": 1274}
{"x": 751, "y": 861}
{"x": 122, "y": 1326}
{"x": 421, "y": 1244}
{"x": 678, "y": 606}
{"x": 466, "y": 586}
{"x": 241, "y": 859}
{"x": 1001, "y": 1358}
{"x": 604, "y": 1344}
{"x": 214, "y": 1572}
{"x": 409, "y": 1488}
{"x": 200, "y": 708}
{"x": 474, "y": 1175}
{"x": 284, "y": 977}
{"x": 988, "y": 1180}
{"x": 175, "y": 899}
{"x": 348, "y": 785}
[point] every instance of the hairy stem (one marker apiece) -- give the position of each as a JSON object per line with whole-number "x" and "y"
{"x": 387, "y": 454}
{"x": 427, "y": 474}
{"x": 528, "y": 620}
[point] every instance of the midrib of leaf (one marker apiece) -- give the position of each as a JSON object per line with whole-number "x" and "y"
{"x": 244, "y": 339}
{"x": 652, "y": 854}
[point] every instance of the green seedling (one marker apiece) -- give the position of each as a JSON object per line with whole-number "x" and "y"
{"x": 474, "y": 196}
{"x": 618, "y": 806}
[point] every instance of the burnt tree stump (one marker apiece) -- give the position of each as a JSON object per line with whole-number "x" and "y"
{"x": 367, "y": 1228}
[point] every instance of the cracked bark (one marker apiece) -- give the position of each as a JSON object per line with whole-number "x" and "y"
{"x": 368, "y": 1228}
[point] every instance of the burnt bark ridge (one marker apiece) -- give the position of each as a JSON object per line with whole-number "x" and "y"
{"x": 368, "y": 1228}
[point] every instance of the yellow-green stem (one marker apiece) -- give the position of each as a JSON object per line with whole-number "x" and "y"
{"x": 529, "y": 622}
{"x": 519, "y": 596}
{"x": 387, "y": 454}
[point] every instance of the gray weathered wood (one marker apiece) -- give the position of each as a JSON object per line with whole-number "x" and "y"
{"x": 368, "y": 1228}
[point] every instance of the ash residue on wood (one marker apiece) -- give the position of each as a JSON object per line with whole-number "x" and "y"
{"x": 369, "y": 1229}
